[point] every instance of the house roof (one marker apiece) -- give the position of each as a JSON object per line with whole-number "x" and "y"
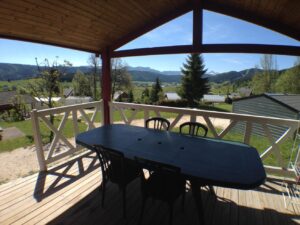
{"x": 118, "y": 94}
{"x": 172, "y": 96}
{"x": 7, "y": 96}
{"x": 213, "y": 98}
{"x": 67, "y": 92}
{"x": 91, "y": 25}
{"x": 290, "y": 101}
{"x": 245, "y": 91}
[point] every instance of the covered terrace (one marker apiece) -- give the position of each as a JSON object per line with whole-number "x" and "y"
{"x": 68, "y": 193}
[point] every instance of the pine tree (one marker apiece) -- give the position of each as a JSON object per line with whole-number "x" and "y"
{"x": 145, "y": 96}
{"x": 193, "y": 85}
{"x": 130, "y": 96}
{"x": 155, "y": 91}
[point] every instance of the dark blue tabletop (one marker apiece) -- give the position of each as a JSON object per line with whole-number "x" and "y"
{"x": 212, "y": 161}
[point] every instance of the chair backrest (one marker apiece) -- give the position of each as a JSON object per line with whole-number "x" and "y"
{"x": 157, "y": 167}
{"x": 193, "y": 129}
{"x": 157, "y": 123}
{"x": 112, "y": 164}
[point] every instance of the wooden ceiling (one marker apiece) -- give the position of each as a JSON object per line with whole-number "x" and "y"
{"x": 91, "y": 25}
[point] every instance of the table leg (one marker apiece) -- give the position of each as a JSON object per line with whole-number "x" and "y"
{"x": 198, "y": 200}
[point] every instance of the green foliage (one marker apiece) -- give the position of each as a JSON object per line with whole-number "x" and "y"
{"x": 19, "y": 109}
{"x": 130, "y": 96}
{"x": 265, "y": 81}
{"x": 156, "y": 92}
{"x": 81, "y": 85}
{"x": 182, "y": 103}
{"x": 193, "y": 85}
{"x": 289, "y": 81}
{"x": 47, "y": 85}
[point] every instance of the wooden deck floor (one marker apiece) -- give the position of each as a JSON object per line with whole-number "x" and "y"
{"x": 69, "y": 194}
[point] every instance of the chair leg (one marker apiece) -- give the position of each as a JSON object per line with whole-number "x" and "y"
{"x": 142, "y": 209}
{"x": 212, "y": 191}
{"x": 171, "y": 214}
{"x": 124, "y": 201}
{"x": 182, "y": 201}
{"x": 103, "y": 187}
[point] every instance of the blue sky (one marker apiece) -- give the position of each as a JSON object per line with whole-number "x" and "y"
{"x": 217, "y": 29}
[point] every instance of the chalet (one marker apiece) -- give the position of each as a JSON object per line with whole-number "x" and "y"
{"x": 120, "y": 96}
{"x": 68, "y": 92}
{"x": 172, "y": 96}
{"x": 71, "y": 100}
{"x": 6, "y": 100}
{"x": 213, "y": 98}
{"x": 270, "y": 105}
{"x": 66, "y": 191}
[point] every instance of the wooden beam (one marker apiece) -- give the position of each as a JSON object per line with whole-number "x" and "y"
{"x": 106, "y": 84}
{"x": 150, "y": 26}
{"x": 153, "y": 51}
{"x": 211, "y": 48}
{"x": 197, "y": 23}
{"x": 251, "y": 17}
{"x": 252, "y": 48}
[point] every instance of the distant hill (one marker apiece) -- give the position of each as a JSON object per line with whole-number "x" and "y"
{"x": 148, "y": 76}
{"x": 234, "y": 76}
{"x": 18, "y": 72}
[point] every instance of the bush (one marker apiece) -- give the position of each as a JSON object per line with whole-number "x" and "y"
{"x": 228, "y": 100}
{"x": 174, "y": 103}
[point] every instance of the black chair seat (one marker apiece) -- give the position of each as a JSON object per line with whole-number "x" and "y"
{"x": 131, "y": 172}
{"x": 164, "y": 187}
{"x": 165, "y": 183}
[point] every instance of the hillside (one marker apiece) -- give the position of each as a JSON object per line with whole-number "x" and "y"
{"x": 18, "y": 72}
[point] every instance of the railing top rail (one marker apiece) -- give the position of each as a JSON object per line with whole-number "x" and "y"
{"x": 61, "y": 109}
{"x": 224, "y": 115}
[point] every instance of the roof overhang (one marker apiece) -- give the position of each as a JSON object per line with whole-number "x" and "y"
{"x": 92, "y": 25}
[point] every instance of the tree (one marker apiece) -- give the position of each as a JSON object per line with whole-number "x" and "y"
{"x": 81, "y": 84}
{"x": 145, "y": 96}
{"x": 130, "y": 96}
{"x": 289, "y": 81}
{"x": 156, "y": 91}
{"x": 265, "y": 80}
{"x": 18, "y": 111}
{"x": 47, "y": 84}
{"x": 94, "y": 62}
{"x": 193, "y": 84}
{"x": 120, "y": 79}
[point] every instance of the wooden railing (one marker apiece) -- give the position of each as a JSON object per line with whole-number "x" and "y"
{"x": 130, "y": 111}
{"x": 136, "y": 114}
{"x": 60, "y": 145}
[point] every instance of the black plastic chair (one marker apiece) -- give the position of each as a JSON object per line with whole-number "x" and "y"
{"x": 118, "y": 170}
{"x": 165, "y": 184}
{"x": 194, "y": 129}
{"x": 157, "y": 123}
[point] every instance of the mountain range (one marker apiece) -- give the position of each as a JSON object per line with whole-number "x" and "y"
{"x": 142, "y": 74}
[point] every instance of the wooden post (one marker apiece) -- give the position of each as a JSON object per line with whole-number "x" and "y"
{"x": 106, "y": 83}
{"x": 38, "y": 141}
{"x": 197, "y": 24}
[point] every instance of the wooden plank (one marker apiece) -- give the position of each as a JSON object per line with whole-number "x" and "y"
{"x": 30, "y": 206}
{"x": 234, "y": 209}
{"x": 21, "y": 193}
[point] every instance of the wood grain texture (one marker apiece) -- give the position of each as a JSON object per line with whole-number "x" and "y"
{"x": 92, "y": 25}
{"x": 69, "y": 194}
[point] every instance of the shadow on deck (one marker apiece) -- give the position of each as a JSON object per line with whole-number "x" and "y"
{"x": 69, "y": 194}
